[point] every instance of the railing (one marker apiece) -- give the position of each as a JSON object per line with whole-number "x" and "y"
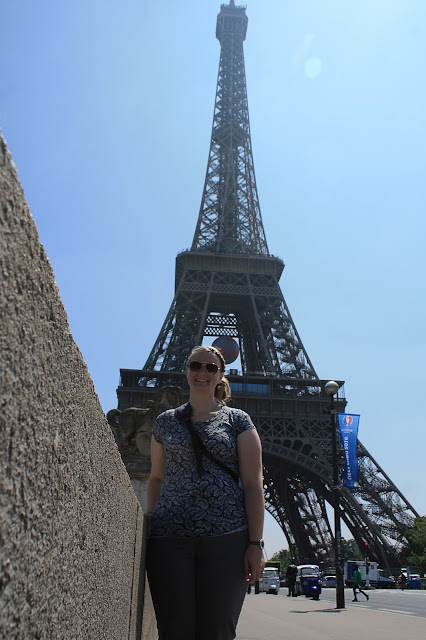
{"x": 260, "y": 385}
{"x": 235, "y": 252}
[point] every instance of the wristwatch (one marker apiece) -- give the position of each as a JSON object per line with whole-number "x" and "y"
{"x": 257, "y": 543}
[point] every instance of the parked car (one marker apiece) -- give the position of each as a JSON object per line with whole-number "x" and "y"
{"x": 329, "y": 581}
{"x": 384, "y": 581}
{"x": 414, "y": 581}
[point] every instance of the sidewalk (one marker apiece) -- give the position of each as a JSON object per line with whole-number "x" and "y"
{"x": 268, "y": 617}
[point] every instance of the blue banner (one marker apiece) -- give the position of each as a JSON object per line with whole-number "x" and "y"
{"x": 348, "y": 427}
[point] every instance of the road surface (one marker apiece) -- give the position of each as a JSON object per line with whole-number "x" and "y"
{"x": 270, "y": 617}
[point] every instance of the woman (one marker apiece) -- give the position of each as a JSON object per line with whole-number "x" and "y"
{"x": 205, "y": 508}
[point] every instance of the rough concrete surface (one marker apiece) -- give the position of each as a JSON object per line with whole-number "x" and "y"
{"x": 70, "y": 524}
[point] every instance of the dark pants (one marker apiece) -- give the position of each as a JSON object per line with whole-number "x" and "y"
{"x": 291, "y": 582}
{"x": 358, "y": 587}
{"x": 197, "y": 585}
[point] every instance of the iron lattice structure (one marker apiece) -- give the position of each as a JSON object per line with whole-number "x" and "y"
{"x": 228, "y": 284}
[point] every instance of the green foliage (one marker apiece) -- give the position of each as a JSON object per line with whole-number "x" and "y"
{"x": 417, "y": 539}
{"x": 351, "y": 550}
{"x": 284, "y": 558}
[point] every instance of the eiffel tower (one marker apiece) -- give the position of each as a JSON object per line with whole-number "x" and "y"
{"x": 227, "y": 284}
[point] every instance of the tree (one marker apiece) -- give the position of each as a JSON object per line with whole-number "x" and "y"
{"x": 417, "y": 539}
{"x": 284, "y": 558}
{"x": 351, "y": 550}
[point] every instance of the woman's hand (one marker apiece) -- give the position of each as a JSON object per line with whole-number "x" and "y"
{"x": 253, "y": 564}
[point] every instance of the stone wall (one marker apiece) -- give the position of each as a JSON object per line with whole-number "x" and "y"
{"x": 70, "y": 524}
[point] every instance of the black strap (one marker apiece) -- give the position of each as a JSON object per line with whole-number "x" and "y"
{"x": 184, "y": 414}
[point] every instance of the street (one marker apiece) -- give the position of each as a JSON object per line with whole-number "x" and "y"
{"x": 388, "y": 614}
{"x": 393, "y": 600}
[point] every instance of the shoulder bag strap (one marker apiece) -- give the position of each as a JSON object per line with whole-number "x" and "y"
{"x": 184, "y": 417}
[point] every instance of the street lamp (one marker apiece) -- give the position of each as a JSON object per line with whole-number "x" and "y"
{"x": 367, "y": 579}
{"x": 332, "y": 388}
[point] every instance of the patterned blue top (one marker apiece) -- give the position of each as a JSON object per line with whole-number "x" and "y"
{"x": 193, "y": 505}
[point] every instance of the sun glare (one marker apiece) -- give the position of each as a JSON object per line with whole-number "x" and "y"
{"x": 313, "y": 67}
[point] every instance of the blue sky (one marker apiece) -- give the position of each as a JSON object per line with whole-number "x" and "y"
{"x": 107, "y": 108}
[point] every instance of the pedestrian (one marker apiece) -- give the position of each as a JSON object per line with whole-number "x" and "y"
{"x": 358, "y": 584}
{"x": 402, "y": 581}
{"x": 205, "y": 508}
{"x": 291, "y": 575}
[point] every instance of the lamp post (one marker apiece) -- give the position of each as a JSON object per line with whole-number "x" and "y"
{"x": 332, "y": 388}
{"x": 367, "y": 579}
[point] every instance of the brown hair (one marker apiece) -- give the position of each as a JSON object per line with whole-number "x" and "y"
{"x": 222, "y": 392}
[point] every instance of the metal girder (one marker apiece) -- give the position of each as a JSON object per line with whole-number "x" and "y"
{"x": 229, "y": 220}
{"x": 377, "y": 513}
{"x": 204, "y": 303}
{"x": 292, "y": 498}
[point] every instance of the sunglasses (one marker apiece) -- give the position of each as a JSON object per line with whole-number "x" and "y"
{"x": 211, "y": 367}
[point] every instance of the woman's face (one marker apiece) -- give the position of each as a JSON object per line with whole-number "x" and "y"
{"x": 202, "y": 380}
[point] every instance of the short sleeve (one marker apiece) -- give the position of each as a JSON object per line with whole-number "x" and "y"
{"x": 162, "y": 425}
{"x": 243, "y": 422}
{"x": 157, "y": 430}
